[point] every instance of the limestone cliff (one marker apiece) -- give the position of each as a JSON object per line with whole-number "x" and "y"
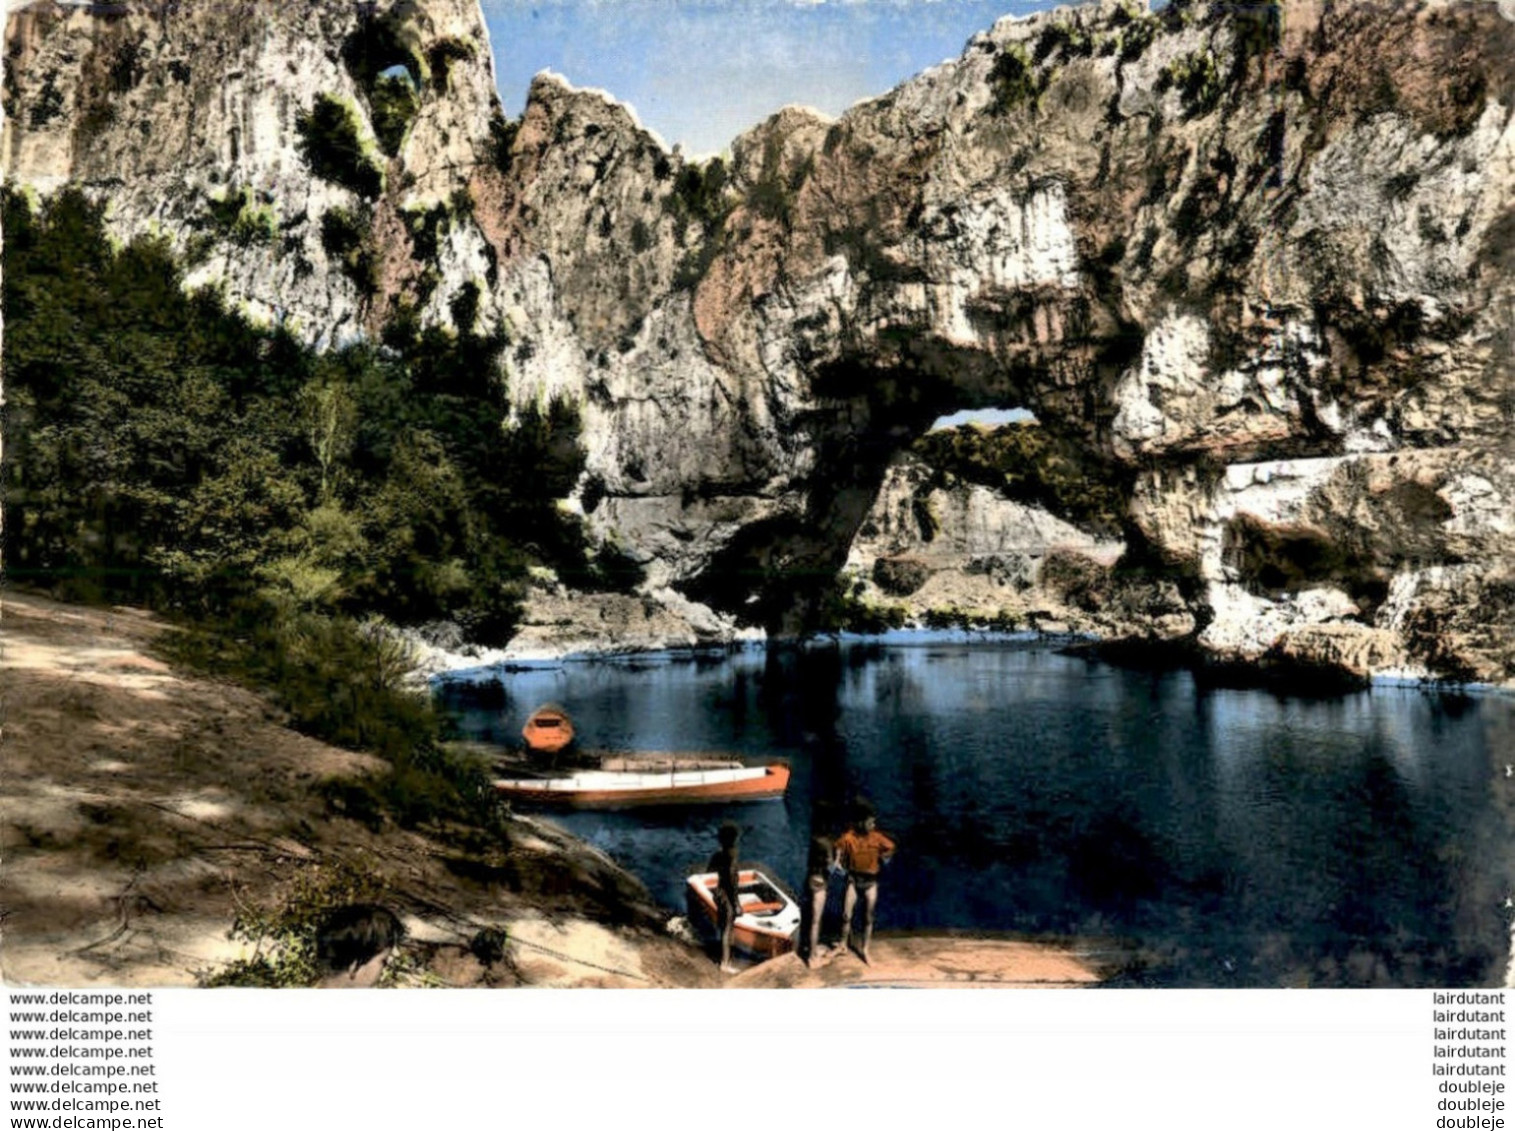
{"x": 1258, "y": 259}
{"x": 188, "y": 118}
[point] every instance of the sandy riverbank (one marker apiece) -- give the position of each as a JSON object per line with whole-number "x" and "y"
{"x": 935, "y": 962}
{"x": 145, "y": 810}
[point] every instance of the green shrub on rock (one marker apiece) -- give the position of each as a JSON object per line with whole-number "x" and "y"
{"x": 332, "y": 144}
{"x": 394, "y": 105}
{"x": 239, "y": 217}
{"x": 1013, "y": 79}
{"x": 1030, "y": 464}
{"x": 345, "y": 237}
{"x": 1198, "y": 81}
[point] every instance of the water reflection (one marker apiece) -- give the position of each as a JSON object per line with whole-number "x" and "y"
{"x": 1233, "y": 837}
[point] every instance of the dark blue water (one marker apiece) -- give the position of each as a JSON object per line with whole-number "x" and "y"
{"x": 1213, "y": 837}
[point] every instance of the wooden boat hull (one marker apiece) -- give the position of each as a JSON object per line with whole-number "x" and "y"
{"x": 597, "y": 789}
{"x": 549, "y": 730}
{"x": 770, "y": 920}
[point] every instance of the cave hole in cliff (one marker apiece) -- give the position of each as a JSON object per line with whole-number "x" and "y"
{"x": 381, "y": 46}
{"x": 1274, "y": 560}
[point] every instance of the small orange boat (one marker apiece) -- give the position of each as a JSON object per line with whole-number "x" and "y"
{"x": 548, "y": 730}
{"x": 612, "y": 789}
{"x": 768, "y": 921}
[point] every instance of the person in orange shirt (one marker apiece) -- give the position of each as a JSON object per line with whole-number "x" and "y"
{"x": 862, "y": 850}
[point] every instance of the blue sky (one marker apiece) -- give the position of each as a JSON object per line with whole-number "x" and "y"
{"x": 701, "y": 71}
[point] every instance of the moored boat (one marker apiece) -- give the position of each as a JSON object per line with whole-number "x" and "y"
{"x": 548, "y": 730}
{"x": 769, "y": 919}
{"x": 607, "y": 789}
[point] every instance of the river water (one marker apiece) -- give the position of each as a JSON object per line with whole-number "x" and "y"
{"x": 1205, "y": 836}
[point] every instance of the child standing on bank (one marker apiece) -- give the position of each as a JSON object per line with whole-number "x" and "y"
{"x": 728, "y": 901}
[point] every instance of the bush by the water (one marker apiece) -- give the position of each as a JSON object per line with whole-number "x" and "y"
{"x": 843, "y": 609}
{"x": 900, "y": 577}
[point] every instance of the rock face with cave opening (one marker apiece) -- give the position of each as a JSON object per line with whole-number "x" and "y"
{"x": 1259, "y": 263}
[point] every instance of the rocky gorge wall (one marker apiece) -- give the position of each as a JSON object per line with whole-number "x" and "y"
{"x": 1256, "y": 260}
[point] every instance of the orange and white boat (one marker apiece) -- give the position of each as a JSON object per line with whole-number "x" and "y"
{"x": 610, "y": 789}
{"x": 769, "y": 920}
{"x": 548, "y": 730}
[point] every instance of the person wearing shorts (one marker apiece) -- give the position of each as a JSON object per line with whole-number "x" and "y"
{"x": 817, "y": 870}
{"x": 727, "y": 898}
{"x": 862, "y": 850}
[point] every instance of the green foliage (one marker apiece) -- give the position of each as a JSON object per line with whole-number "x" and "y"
{"x": 772, "y": 195}
{"x": 332, "y": 145}
{"x": 900, "y": 577}
{"x": 340, "y": 680}
{"x": 699, "y": 195}
{"x": 1013, "y": 79}
{"x": 345, "y": 682}
{"x": 346, "y": 237}
{"x": 384, "y": 58}
{"x": 284, "y": 938}
{"x": 641, "y": 236}
{"x": 380, "y": 43}
{"x": 1136, "y": 37}
{"x": 1399, "y": 187}
{"x": 698, "y": 202}
{"x": 1198, "y": 81}
{"x": 426, "y": 227}
{"x": 1077, "y": 580}
{"x": 47, "y": 106}
{"x": 239, "y": 217}
{"x": 951, "y": 616}
{"x": 222, "y": 211}
{"x": 168, "y": 453}
{"x": 1027, "y": 463}
{"x": 1068, "y": 39}
{"x": 843, "y": 609}
{"x": 124, "y": 396}
{"x": 393, "y": 104}
{"x": 161, "y": 450}
{"x": 255, "y": 225}
{"x": 1259, "y": 28}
